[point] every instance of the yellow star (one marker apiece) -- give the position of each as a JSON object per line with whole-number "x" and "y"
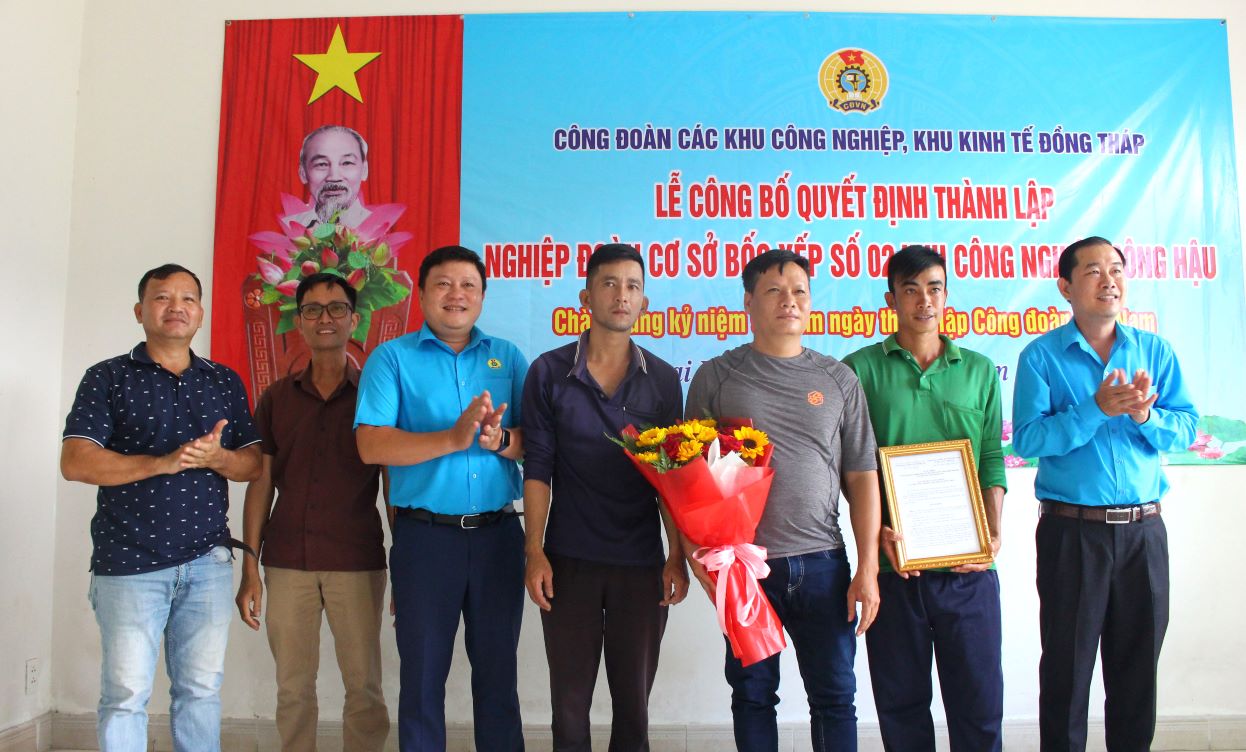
{"x": 336, "y": 67}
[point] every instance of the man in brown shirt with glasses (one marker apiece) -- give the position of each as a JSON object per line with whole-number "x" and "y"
{"x": 322, "y": 543}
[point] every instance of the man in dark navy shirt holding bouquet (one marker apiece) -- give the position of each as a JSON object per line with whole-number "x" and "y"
{"x": 594, "y": 548}
{"x": 161, "y": 431}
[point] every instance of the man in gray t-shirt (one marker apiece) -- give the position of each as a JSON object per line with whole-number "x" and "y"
{"x": 815, "y": 413}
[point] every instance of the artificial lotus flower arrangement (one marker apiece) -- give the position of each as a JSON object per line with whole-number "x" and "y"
{"x": 365, "y": 256}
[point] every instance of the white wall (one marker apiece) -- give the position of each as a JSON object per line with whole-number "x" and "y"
{"x": 144, "y": 167}
{"x": 38, "y": 90}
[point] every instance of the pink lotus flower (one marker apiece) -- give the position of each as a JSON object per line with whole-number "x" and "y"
{"x": 1007, "y": 431}
{"x": 269, "y": 272}
{"x": 288, "y": 288}
{"x": 1013, "y": 460}
{"x": 1201, "y": 442}
{"x": 356, "y": 279}
{"x": 309, "y": 268}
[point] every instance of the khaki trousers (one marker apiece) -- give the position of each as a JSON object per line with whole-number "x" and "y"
{"x": 353, "y": 603}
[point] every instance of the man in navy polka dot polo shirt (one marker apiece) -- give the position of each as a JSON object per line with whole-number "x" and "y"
{"x": 161, "y": 431}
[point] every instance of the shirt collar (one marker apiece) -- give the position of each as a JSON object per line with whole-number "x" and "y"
{"x": 477, "y": 337}
{"x": 1071, "y": 335}
{"x": 139, "y": 354}
{"x": 579, "y": 366}
{"x": 304, "y": 379}
{"x": 950, "y": 350}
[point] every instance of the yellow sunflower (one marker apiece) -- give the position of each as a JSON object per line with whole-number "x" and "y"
{"x": 650, "y": 458}
{"x": 651, "y": 437}
{"x": 695, "y": 429}
{"x": 754, "y": 442}
{"x": 689, "y": 450}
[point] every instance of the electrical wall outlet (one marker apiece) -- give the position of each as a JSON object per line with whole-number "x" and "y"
{"x": 32, "y": 675}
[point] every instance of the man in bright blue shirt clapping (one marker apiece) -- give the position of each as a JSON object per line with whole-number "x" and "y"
{"x": 1097, "y": 402}
{"x": 433, "y": 406}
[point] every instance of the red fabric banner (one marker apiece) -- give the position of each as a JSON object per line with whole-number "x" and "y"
{"x": 394, "y": 81}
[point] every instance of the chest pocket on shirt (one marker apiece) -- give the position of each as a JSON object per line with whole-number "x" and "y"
{"x": 960, "y": 422}
{"x": 642, "y": 419}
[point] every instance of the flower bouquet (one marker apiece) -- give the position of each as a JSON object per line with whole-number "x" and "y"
{"x": 365, "y": 256}
{"x": 715, "y": 481}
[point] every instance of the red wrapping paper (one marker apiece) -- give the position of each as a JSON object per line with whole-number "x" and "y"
{"x": 724, "y": 525}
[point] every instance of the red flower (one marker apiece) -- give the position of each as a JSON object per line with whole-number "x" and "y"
{"x": 671, "y": 445}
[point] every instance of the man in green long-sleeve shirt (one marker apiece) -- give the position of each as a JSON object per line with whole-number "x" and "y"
{"x": 921, "y": 388}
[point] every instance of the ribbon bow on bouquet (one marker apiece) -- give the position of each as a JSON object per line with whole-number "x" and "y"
{"x": 716, "y": 500}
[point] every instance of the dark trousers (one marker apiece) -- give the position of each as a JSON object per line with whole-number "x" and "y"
{"x": 955, "y": 618}
{"x": 810, "y": 595}
{"x": 598, "y": 606}
{"x": 439, "y": 573}
{"x": 1100, "y": 587}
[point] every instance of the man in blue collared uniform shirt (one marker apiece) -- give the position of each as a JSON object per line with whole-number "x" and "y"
{"x": 161, "y": 430}
{"x": 1084, "y": 405}
{"x": 433, "y": 407}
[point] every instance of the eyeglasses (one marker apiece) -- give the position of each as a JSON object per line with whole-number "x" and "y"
{"x": 312, "y": 311}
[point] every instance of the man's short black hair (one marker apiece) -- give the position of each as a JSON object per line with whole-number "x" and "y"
{"x": 164, "y": 271}
{"x": 767, "y": 261}
{"x": 324, "y": 278}
{"x": 610, "y": 253}
{"x": 1068, "y": 257}
{"x": 445, "y": 255}
{"x": 910, "y": 261}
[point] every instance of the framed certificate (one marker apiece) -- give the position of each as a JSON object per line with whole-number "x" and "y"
{"x": 936, "y": 504}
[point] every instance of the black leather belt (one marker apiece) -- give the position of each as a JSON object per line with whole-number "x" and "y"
{"x": 464, "y": 521}
{"x": 1108, "y": 515}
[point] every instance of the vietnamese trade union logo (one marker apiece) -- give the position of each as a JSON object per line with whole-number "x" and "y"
{"x": 853, "y": 81}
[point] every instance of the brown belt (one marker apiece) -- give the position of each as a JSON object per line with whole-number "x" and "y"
{"x": 1108, "y": 515}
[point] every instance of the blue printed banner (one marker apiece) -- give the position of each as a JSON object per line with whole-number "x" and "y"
{"x": 704, "y": 138}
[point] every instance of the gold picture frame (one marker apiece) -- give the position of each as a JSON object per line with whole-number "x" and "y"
{"x": 935, "y": 504}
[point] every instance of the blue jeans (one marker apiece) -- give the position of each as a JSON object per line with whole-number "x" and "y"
{"x": 810, "y": 595}
{"x": 191, "y": 606}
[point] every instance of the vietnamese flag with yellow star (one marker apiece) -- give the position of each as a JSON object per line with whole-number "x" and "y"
{"x": 339, "y": 152}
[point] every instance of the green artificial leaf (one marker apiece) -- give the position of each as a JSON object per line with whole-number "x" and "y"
{"x": 365, "y": 323}
{"x": 381, "y": 293}
{"x": 286, "y": 324}
{"x": 1234, "y": 458}
{"x": 357, "y": 260}
{"x": 1225, "y": 429}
